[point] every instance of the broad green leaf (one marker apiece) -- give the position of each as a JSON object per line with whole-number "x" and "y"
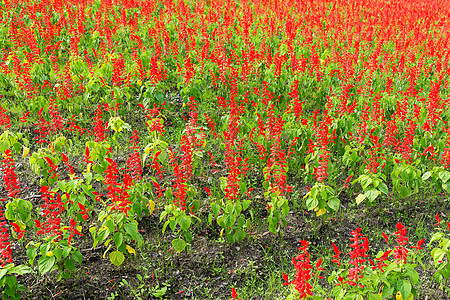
{"x": 132, "y": 229}
{"x": 179, "y": 245}
{"x": 404, "y": 287}
{"x": 372, "y": 194}
{"x": 69, "y": 264}
{"x": 311, "y": 203}
{"x": 444, "y": 176}
{"x": 45, "y": 264}
{"x": 118, "y": 239}
{"x": 3, "y": 272}
{"x": 77, "y": 256}
{"x": 383, "y": 188}
{"x": 438, "y": 255}
{"x": 446, "y": 271}
{"x": 116, "y": 257}
{"x": 426, "y": 175}
{"x": 403, "y": 191}
{"x": 228, "y": 220}
{"x": 374, "y": 297}
{"x": 334, "y": 203}
{"x": 185, "y": 222}
{"x": 412, "y": 274}
{"x": 239, "y": 235}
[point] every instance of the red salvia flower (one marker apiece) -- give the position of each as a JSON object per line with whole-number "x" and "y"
{"x": 336, "y": 258}
{"x": 438, "y": 220}
{"x": 99, "y": 129}
{"x": 87, "y": 156}
{"x": 400, "y": 252}
{"x": 5, "y": 245}
{"x": 9, "y": 175}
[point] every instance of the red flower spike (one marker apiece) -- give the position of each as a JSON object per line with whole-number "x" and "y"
{"x": 386, "y": 239}
{"x": 419, "y": 245}
{"x": 87, "y": 156}
{"x": 233, "y": 294}
{"x": 438, "y": 220}
{"x": 207, "y": 190}
{"x": 336, "y": 259}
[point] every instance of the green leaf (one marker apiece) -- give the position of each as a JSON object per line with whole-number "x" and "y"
{"x": 444, "y": 176}
{"x": 333, "y": 204}
{"x": 102, "y": 235}
{"x": 77, "y": 256}
{"x": 426, "y": 175}
{"x": 3, "y": 272}
{"x": 438, "y": 255}
{"x": 215, "y": 208}
{"x": 365, "y": 181}
{"x": 412, "y": 274}
{"x": 31, "y": 253}
{"x": 239, "y": 235}
{"x": 116, "y": 257}
{"x": 383, "y": 188}
{"x": 11, "y": 281}
{"x": 311, "y": 203}
{"x": 70, "y": 264}
{"x": 132, "y": 229}
{"x": 118, "y": 238}
{"x": 88, "y": 178}
{"x": 185, "y": 222}
{"x": 45, "y": 264}
{"x": 179, "y": 245}
{"x": 403, "y": 191}
{"x": 372, "y": 194}
{"x": 228, "y": 220}
{"x": 404, "y": 287}
{"x": 66, "y": 251}
{"x": 446, "y": 271}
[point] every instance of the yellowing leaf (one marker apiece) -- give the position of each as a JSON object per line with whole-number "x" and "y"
{"x": 88, "y": 168}
{"x": 360, "y": 198}
{"x": 139, "y": 82}
{"x": 50, "y": 253}
{"x": 321, "y": 212}
{"x": 151, "y": 206}
{"x": 75, "y": 79}
{"x": 25, "y": 151}
{"x": 130, "y": 250}
{"x": 79, "y": 228}
{"x": 398, "y": 296}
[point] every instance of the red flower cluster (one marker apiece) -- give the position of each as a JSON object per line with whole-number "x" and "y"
{"x": 99, "y": 128}
{"x": 4, "y": 118}
{"x": 303, "y": 266}
{"x": 51, "y": 210}
{"x": 118, "y": 193}
{"x": 10, "y": 177}
{"x": 134, "y": 160}
{"x": 180, "y": 183}
{"x": 5, "y": 246}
